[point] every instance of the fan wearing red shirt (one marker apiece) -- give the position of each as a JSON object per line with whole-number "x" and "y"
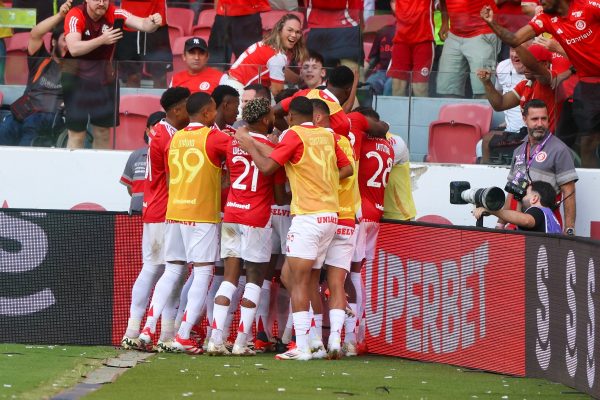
{"x": 469, "y": 45}
{"x": 574, "y": 25}
{"x": 314, "y": 164}
{"x": 198, "y": 77}
{"x": 88, "y": 79}
{"x": 264, "y": 62}
{"x": 154, "y": 47}
{"x": 237, "y": 25}
{"x": 246, "y": 230}
{"x": 153, "y": 216}
{"x": 412, "y": 49}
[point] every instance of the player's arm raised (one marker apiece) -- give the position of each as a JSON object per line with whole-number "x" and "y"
{"x": 512, "y": 39}
{"x": 264, "y": 164}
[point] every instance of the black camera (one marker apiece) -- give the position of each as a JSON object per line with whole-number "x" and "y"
{"x": 518, "y": 186}
{"x": 491, "y": 198}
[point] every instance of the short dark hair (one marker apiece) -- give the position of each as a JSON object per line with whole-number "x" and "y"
{"x": 313, "y": 55}
{"x": 533, "y": 103}
{"x": 341, "y": 77}
{"x": 546, "y": 192}
{"x": 367, "y": 112}
{"x": 320, "y": 105}
{"x": 197, "y": 102}
{"x": 172, "y": 96}
{"x": 285, "y": 93}
{"x": 301, "y": 105}
{"x": 222, "y": 91}
{"x": 261, "y": 90}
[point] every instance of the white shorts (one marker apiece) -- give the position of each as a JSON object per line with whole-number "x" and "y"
{"x": 340, "y": 251}
{"x": 197, "y": 242}
{"x": 246, "y": 242}
{"x": 366, "y": 241}
{"x": 153, "y": 243}
{"x": 281, "y": 226}
{"x": 310, "y": 235}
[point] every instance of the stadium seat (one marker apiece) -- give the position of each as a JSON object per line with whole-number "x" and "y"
{"x": 181, "y": 17}
{"x": 15, "y": 71}
{"x": 133, "y": 113}
{"x": 452, "y": 142}
{"x": 270, "y": 18}
{"x": 174, "y": 33}
{"x": 434, "y": 219}
{"x": 206, "y": 19}
{"x": 468, "y": 113}
{"x": 375, "y": 23}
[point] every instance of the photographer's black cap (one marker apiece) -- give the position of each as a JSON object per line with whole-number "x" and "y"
{"x": 195, "y": 43}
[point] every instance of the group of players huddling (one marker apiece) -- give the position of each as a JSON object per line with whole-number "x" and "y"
{"x": 306, "y": 200}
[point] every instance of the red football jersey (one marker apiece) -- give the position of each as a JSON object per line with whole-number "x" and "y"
{"x": 156, "y": 191}
{"x": 464, "y": 17}
{"x": 251, "y": 193}
{"x": 204, "y": 81}
{"x": 259, "y": 64}
{"x": 145, "y": 8}
{"x": 376, "y": 161}
{"x": 358, "y": 130}
{"x": 414, "y": 21}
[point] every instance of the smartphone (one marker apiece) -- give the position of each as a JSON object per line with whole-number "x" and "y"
{"x": 118, "y": 24}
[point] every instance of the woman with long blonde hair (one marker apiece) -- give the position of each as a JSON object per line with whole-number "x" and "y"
{"x": 264, "y": 62}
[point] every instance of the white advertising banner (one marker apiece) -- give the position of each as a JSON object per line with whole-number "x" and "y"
{"x": 64, "y": 179}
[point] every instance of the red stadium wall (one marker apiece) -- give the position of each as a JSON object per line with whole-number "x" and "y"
{"x": 448, "y": 295}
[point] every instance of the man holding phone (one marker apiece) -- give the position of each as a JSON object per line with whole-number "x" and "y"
{"x": 89, "y": 83}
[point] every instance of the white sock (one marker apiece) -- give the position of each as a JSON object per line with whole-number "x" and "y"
{"x": 183, "y": 300}
{"x": 164, "y": 288}
{"x": 252, "y": 293}
{"x": 233, "y": 306}
{"x": 140, "y": 295}
{"x": 350, "y": 326}
{"x": 262, "y": 310}
{"x": 169, "y": 313}
{"x": 226, "y": 289}
{"x": 336, "y": 322}
{"x": 167, "y": 329}
{"x": 318, "y": 318}
{"x": 356, "y": 280}
{"x": 210, "y": 301}
{"x": 196, "y": 299}
{"x": 302, "y": 326}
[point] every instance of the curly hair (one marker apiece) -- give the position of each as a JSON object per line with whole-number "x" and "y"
{"x": 273, "y": 39}
{"x": 256, "y": 109}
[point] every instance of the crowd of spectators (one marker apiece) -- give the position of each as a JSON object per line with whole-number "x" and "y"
{"x": 401, "y": 58}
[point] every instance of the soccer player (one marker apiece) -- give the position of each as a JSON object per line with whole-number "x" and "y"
{"x": 246, "y": 231}
{"x": 193, "y": 212}
{"x": 375, "y": 163}
{"x": 339, "y": 253}
{"x": 154, "y": 207}
{"x": 314, "y": 164}
{"x": 227, "y": 100}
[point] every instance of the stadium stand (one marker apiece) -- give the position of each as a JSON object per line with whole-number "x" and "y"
{"x": 205, "y": 22}
{"x": 270, "y": 18}
{"x": 133, "y": 113}
{"x": 182, "y": 18}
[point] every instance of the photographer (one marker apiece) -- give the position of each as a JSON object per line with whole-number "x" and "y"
{"x": 538, "y": 215}
{"x": 542, "y": 157}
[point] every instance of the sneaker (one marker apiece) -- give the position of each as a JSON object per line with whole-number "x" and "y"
{"x": 262, "y": 343}
{"x": 146, "y": 340}
{"x": 242, "y": 351}
{"x": 165, "y": 346}
{"x": 280, "y": 347}
{"x": 334, "y": 349}
{"x": 294, "y": 354}
{"x": 349, "y": 349}
{"x": 213, "y": 349}
{"x": 228, "y": 345}
{"x": 318, "y": 350}
{"x": 129, "y": 343}
{"x": 188, "y": 346}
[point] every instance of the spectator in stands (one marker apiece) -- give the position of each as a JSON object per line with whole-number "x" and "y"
{"x": 577, "y": 38}
{"x": 335, "y": 31}
{"x": 134, "y": 174}
{"x": 508, "y": 74}
{"x": 537, "y": 217}
{"x": 379, "y": 60}
{"x": 413, "y": 47}
{"x": 154, "y": 47}
{"x": 469, "y": 45}
{"x": 33, "y": 114}
{"x": 88, "y": 79}
{"x": 543, "y": 157}
{"x": 265, "y": 62}
{"x": 312, "y": 71}
{"x": 198, "y": 77}
{"x": 237, "y": 26}
{"x": 227, "y": 100}
{"x": 534, "y": 86}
